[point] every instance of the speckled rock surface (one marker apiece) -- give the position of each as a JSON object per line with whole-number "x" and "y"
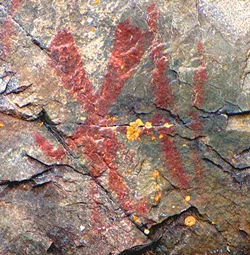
{"x": 124, "y": 127}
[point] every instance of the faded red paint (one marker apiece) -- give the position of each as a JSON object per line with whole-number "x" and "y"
{"x": 153, "y": 17}
{"x": 174, "y": 163}
{"x": 100, "y": 147}
{"x": 49, "y": 149}
{"x": 164, "y": 98}
{"x": 96, "y": 215}
{"x": 129, "y": 46}
{"x": 15, "y": 5}
{"x": 67, "y": 63}
{"x": 160, "y": 83}
{"x": 7, "y": 29}
{"x": 200, "y": 79}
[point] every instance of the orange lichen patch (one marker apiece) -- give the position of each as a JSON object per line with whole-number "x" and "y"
{"x": 139, "y": 123}
{"x": 97, "y": 1}
{"x": 187, "y": 198}
{"x": 133, "y": 130}
{"x": 136, "y": 219}
{"x": 1, "y": 124}
{"x": 161, "y": 136}
{"x": 153, "y": 138}
{"x": 122, "y": 67}
{"x": 148, "y": 124}
{"x": 167, "y": 125}
{"x": 213, "y": 222}
{"x": 157, "y": 197}
{"x": 112, "y": 118}
{"x": 190, "y": 221}
{"x": 40, "y": 124}
{"x": 92, "y": 29}
{"x": 156, "y": 174}
{"x": 157, "y": 187}
{"x": 130, "y": 171}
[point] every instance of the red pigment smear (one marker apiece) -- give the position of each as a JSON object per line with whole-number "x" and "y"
{"x": 129, "y": 46}
{"x": 153, "y": 16}
{"x": 171, "y": 153}
{"x": 101, "y": 148}
{"x": 48, "y": 149}
{"x": 15, "y": 5}
{"x": 163, "y": 98}
{"x": 160, "y": 83}
{"x": 7, "y": 29}
{"x": 197, "y": 166}
{"x": 200, "y": 79}
{"x": 196, "y": 124}
{"x": 96, "y": 215}
{"x": 67, "y": 63}
{"x": 173, "y": 159}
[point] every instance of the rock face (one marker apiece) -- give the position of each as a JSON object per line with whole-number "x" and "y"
{"x": 125, "y": 127}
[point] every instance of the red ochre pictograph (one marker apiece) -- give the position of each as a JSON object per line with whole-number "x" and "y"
{"x": 101, "y": 145}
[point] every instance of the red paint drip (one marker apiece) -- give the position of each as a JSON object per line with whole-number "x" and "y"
{"x": 129, "y": 46}
{"x": 49, "y": 149}
{"x": 67, "y": 63}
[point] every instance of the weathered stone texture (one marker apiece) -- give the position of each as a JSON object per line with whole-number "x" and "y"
{"x": 124, "y": 127}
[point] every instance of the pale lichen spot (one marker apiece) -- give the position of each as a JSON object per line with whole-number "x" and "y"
{"x": 167, "y": 125}
{"x": 148, "y": 124}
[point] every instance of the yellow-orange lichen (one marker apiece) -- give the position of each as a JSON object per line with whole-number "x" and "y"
{"x": 161, "y": 136}
{"x": 112, "y": 118}
{"x": 157, "y": 197}
{"x": 167, "y": 125}
{"x": 136, "y": 219}
{"x": 1, "y": 124}
{"x": 190, "y": 221}
{"x": 157, "y": 187}
{"x": 133, "y": 130}
{"x": 153, "y": 138}
{"x": 156, "y": 174}
{"x": 148, "y": 124}
{"x": 187, "y": 198}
